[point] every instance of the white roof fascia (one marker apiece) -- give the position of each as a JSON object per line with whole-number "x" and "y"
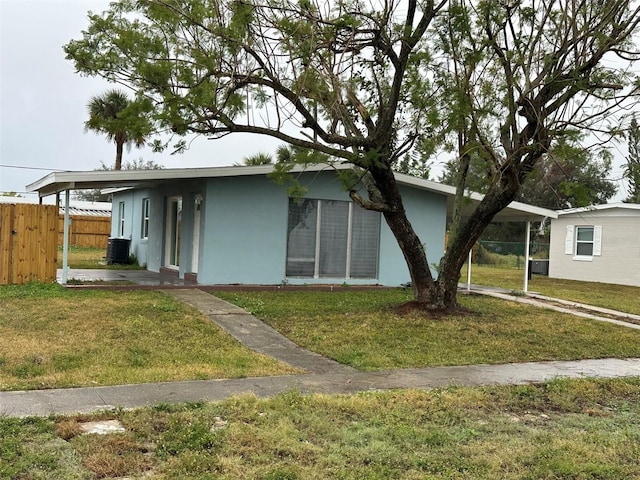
{"x": 123, "y": 179}
{"x": 514, "y": 208}
{"x": 604, "y": 206}
{"x": 59, "y": 181}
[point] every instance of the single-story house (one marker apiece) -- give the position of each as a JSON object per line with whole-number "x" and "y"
{"x": 234, "y": 225}
{"x": 597, "y": 244}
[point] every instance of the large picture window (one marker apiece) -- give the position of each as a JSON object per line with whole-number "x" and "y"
{"x": 332, "y": 239}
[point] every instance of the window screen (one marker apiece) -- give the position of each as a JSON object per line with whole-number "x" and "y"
{"x": 332, "y": 239}
{"x": 301, "y": 240}
{"x": 334, "y": 227}
{"x": 365, "y": 238}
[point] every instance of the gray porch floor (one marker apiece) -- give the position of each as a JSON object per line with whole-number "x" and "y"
{"x": 138, "y": 277}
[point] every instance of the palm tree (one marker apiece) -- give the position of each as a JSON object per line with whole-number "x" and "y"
{"x": 292, "y": 153}
{"x": 260, "y": 158}
{"x": 113, "y": 114}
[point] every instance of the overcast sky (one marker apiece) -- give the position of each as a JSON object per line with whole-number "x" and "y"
{"x": 43, "y": 102}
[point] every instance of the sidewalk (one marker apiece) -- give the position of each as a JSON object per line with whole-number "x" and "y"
{"x": 324, "y": 375}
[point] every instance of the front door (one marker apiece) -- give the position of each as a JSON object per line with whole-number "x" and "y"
{"x": 174, "y": 228}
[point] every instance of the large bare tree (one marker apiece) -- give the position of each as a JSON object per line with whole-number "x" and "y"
{"x": 369, "y": 82}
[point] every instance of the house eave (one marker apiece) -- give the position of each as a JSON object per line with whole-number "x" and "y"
{"x": 597, "y": 208}
{"x": 122, "y": 179}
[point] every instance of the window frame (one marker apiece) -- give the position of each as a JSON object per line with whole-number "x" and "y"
{"x": 578, "y": 242}
{"x": 320, "y": 242}
{"x": 121, "y": 219}
{"x": 144, "y": 232}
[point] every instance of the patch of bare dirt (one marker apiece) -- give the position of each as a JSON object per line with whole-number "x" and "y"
{"x": 424, "y": 309}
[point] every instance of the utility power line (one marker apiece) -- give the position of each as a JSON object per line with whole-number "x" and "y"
{"x": 31, "y": 168}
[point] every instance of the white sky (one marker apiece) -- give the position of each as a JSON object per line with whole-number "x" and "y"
{"x": 43, "y": 102}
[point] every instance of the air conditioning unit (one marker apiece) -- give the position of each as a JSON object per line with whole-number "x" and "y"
{"x": 118, "y": 250}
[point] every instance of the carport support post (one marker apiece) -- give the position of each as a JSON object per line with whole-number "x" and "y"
{"x": 65, "y": 241}
{"x": 526, "y": 257}
{"x": 469, "y": 270}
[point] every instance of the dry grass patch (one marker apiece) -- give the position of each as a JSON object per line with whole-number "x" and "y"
{"x": 569, "y": 429}
{"x": 54, "y": 337}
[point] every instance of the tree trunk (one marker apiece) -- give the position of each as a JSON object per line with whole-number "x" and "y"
{"x": 409, "y": 242}
{"x": 469, "y": 232}
{"x": 119, "y": 149}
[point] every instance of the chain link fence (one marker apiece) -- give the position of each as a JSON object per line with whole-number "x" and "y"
{"x": 507, "y": 254}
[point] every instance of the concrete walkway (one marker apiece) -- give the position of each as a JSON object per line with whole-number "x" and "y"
{"x": 324, "y": 375}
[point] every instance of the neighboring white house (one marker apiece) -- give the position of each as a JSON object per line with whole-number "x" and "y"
{"x": 597, "y": 244}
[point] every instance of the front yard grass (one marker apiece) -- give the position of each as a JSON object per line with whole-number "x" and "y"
{"x": 92, "y": 258}
{"x": 565, "y": 429}
{"x": 53, "y": 337}
{"x": 359, "y": 328}
{"x": 624, "y": 298}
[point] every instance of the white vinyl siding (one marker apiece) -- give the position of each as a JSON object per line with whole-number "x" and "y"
{"x": 332, "y": 239}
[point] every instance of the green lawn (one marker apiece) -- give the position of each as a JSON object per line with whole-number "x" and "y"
{"x": 618, "y": 297}
{"x": 92, "y": 258}
{"x": 56, "y": 337}
{"x": 360, "y": 328}
{"x": 569, "y": 429}
{"x": 565, "y": 429}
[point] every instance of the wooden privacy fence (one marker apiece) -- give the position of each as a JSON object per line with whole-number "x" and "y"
{"x": 86, "y": 231}
{"x": 28, "y": 243}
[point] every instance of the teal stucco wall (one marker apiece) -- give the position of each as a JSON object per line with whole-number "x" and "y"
{"x": 243, "y": 228}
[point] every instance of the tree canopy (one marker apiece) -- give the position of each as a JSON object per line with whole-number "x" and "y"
{"x": 568, "y": 176}
{"x": 370, "y": 82}
{"x": 96, "y": 195}
{"x": 632, "y": 168}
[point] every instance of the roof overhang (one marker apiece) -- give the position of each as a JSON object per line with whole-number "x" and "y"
{"x": 124, "y": 179}
{"x": 514, "y": 212}
{"x": 598, "y": 208}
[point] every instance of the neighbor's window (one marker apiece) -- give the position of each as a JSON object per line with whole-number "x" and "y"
{"x": 145, "y": 218}
{"x": 584, "y": 241}
{"x": 328, "y": 238}
{"x": 121, "y": 219}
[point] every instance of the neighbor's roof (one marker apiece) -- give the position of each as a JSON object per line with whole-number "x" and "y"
{"x": 76, "y": 207}
{"x": 597, "y": 208}
{"x": 118, "y": 179}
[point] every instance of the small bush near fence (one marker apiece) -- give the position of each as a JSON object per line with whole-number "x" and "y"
{"x": 507, "y": 254}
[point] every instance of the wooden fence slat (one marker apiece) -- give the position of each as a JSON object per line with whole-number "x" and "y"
{"x": 28, "y": 243}
{"x": 51, "y": 245}
{"x": 6, "y": 226}
{"x": 86, "y": 231}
